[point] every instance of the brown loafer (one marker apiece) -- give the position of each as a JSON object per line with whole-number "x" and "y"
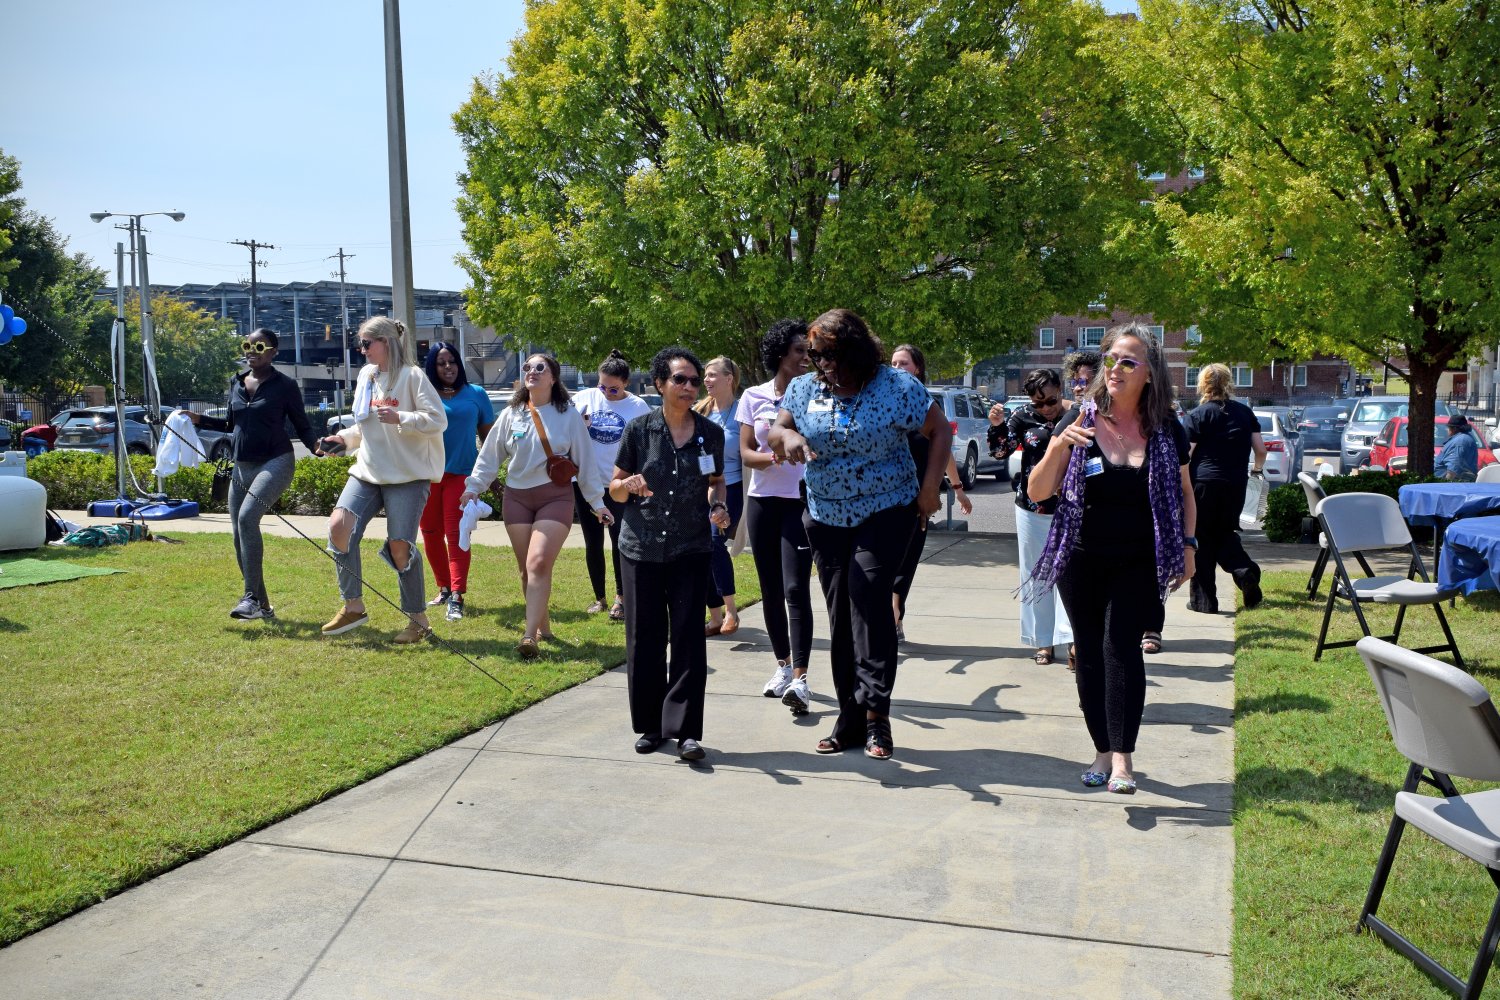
{"x": 527, "y": 648}
{"x": 413, "y": 633}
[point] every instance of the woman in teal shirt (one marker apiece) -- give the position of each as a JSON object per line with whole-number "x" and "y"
{"x": 470, "y": 414}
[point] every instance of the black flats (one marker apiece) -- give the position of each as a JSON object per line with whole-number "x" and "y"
{"x": 647, "y": 743}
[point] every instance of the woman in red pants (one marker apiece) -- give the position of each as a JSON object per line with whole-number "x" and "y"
{"x": 470, "y": 415}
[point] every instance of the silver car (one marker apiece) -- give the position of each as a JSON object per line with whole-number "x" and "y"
{"x": 968, "y": 416}
{"x": 1365, "y": 421}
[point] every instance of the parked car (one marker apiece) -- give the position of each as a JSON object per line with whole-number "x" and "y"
{"x": 1321, "y": 428}
{"x": 653, "y": 399}
{"x": 93, "y": 429}
{"x": 968, "y": 416}
{"x": 1366, "y": 419}
{"x": 1283, "y": 456}
{"x": 1390, "y": 450}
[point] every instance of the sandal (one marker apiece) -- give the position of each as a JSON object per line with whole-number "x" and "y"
{"x": 1042, "y": 657}
{"x": 617, "y": 611}
{"x": 1073, "y": 658}
{"x": 596, "y": 607}
{"x": 731, "y": 624}
{"x": 527, "y": 648}
{"x": 878, "y": 743}
{"x": 712, "y": 629}
{"x": 1151, "y": 642}
{"x": 830, "y": 744}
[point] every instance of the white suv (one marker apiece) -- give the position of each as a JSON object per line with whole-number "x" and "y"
{"x": 968, "y": 416}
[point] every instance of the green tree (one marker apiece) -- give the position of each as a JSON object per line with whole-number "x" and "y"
{"x": 652, "y": 171}
{"x": 66, "y": 343}
{"x": 196, "y": 352}
{"x": 1352, "y": 202}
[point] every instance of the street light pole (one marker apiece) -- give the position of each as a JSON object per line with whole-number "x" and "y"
{"x": 402, "y": 292}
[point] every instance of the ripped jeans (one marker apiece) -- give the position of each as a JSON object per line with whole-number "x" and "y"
{"x": 403, "y": 503}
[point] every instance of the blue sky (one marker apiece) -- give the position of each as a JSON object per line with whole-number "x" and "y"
{"x": 261, "y": 121}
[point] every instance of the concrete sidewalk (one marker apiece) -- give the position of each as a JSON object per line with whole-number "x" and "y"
{"x": 543, "y": 857}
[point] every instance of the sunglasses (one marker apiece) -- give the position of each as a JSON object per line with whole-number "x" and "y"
{"x": 1080, "y": 383}
{"x": 537, "y": 367}
{"x": 1047, "y": 403}
{"x": 1126, "y": 365}
{"x": 611, "y": 390}
{"x": 815, "y": 355}
{"x": 255, "y": 347}
{"x": 692, "y": 380}
{"x": 364, "y": 345}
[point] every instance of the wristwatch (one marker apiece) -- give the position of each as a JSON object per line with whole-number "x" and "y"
{"x": 1190, "y": 542}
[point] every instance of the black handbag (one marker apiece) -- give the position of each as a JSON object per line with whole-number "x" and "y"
{"x": 223, "y": 473}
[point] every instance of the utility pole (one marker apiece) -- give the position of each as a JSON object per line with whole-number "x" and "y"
{"x": 343, "y": 320}
{"x": 255, "y": 247}
{"x": 402, "y": 294}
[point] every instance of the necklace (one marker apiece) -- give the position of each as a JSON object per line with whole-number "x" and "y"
{"x": 1125, "y": 445}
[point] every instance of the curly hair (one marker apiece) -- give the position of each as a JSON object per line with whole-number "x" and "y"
{"x": 1077, "y": 360}
{"x": 559, "y": 391}
{"x": 661, "y": 365}
{"x": 777, "y": 342}
{"x": 859, "y": 350}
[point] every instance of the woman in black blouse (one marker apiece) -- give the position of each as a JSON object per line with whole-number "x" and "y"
{"x": 669, "y": 474}
{"x": 1121, "y": 536}
{"x": 261, "y": 402}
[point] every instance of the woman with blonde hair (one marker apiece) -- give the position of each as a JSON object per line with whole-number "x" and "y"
{"x": 721, "y": 385}
{"x": 1224, "y": 433}
{"x": 1121, "y": 537}
{"x": 397, "y": 435}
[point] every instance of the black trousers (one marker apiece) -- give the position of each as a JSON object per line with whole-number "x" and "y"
{"x": 593, "y": 541}
{"x": 664, "y": 607}
{"x": 1110, "y": 601}
{"x": 909, "y": 563}
{"x": 1219, "y": 506}
{"x": 857, "y": 567}
{"x": 783, "y": 564}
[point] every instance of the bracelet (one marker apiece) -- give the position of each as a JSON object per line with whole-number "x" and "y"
{"x": 717, "y": 505}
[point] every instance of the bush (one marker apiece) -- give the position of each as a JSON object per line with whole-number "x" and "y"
{"x": 1287, "y": 505}
{"x": 74, "y": 479}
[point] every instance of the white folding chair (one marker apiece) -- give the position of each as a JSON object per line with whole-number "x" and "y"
{"x": 1489, "y": 474}
{"x": 1313, "y": 490}
{"x": 1443, "y": 721}
{"x": 1359, "y": 523}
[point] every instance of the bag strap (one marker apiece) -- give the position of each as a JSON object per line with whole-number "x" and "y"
{"x": 541, "y": 429}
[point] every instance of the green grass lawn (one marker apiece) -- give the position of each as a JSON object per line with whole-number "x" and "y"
{"x": 1316, "y": 776}
{"x": 142, "y": 727}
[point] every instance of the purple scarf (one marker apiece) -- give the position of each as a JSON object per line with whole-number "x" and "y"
{"x": 1164, "y": 482}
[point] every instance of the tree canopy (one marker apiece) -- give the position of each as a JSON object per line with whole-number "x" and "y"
{"x": 196, "y": 352}
{"x": 657, "y": 171}
{"x": 1352, "y": 202}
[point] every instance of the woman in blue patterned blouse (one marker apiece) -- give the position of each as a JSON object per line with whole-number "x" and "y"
{"x": 847, "y": 421}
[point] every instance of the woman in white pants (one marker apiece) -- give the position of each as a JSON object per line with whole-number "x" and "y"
{"x": 1044, "y": 623}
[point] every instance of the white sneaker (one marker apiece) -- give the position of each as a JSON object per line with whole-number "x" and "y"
{"x": 797, "y": 696}
{"x": 777, "y": 685}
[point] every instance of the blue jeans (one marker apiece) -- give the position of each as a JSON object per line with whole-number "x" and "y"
{"x": 403, "y": 503}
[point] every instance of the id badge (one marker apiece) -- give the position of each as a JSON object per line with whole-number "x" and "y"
{"x": 706, "y": 464}
{"x": 820, "y": 405}
{"x": 1093, "y": 467}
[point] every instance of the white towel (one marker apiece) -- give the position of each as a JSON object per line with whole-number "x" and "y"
{"x": 363, "y": 393}
{"x": 180, "y": 447}
{"x": 474, "y": 511}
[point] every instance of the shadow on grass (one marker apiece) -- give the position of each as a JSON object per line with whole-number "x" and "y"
{"x": 1269, "y": 787}
{"x": 1279, "y": 702}
{"x": 6, "y": 625}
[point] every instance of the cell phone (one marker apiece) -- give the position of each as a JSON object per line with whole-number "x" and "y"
{"x": 334, "y": 446}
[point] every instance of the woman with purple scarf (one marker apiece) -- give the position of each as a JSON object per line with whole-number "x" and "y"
{"x": 1121, "y": 537}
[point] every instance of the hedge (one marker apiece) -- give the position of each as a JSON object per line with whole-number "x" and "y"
{"x": 74, "y": 479}
{"x": 1286, "y": 506}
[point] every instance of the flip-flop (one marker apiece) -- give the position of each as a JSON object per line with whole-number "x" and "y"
{"x": 731, "y": 625}
{"x": 1151, "y": 643}
{"x": 829, "y": 744}
{"x": 1042, "y": 657}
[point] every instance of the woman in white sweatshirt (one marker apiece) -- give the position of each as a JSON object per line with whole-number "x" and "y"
{"x": 398, "y": 440}
{"x": 538, "y": 511}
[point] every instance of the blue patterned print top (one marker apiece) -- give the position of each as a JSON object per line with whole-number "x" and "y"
{"x": 864, "y": 463}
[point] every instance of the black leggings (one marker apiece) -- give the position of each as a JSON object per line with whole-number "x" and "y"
{"x": 783, "y": 564}
{"x": 1110, "y": 601}
{"x": 721, "y": 581}
{"x": 1219, "y": 507}
{"x": 593, "y": 541}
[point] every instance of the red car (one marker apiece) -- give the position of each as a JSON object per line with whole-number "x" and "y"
{"x": 1390, "y": 445}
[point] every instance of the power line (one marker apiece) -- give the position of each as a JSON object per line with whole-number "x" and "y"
{"x": 254, "y": 246}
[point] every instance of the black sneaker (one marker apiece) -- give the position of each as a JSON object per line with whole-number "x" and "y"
{"x": 455, "y": 607}
{"x": 442, "y": 598}
{"x": 248, "y": 609}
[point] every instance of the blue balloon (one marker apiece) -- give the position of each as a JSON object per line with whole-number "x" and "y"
{"x": 6, "y": 314}
{"x": 17, "y": 326}
{"x": 5, "y": 334}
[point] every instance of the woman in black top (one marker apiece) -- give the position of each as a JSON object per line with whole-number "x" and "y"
{"x": 1121, "y": 536}
{"x": 1224, "y": 432}
{"x": 261, "y": 402}
{"x": 669, "y": 474}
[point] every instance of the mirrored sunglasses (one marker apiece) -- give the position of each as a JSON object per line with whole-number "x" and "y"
{"x": 1127, "y": 365}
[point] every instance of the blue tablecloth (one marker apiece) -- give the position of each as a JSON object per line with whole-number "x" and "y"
{"x": 1434, "y": 503}
{"x": 1471, "y": 555}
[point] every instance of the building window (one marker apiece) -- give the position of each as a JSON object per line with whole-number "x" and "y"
{"x": 1196, "y": 173}
{"x": 1048, "y": 339}
{"x": 1155, "y": 175}
{"x": 1299, "y": 376}
{"x": 1092, "y": 336}
{"x": 1194, "y": 335}
{"x": 1098, "y": 304}
{"x": 1244, "y": 376}
{"x": 1191, "y": 382}
{"x": 1157, "y": 331}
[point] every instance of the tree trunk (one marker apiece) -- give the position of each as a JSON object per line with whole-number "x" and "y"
{"x": 1423, "y": 379}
